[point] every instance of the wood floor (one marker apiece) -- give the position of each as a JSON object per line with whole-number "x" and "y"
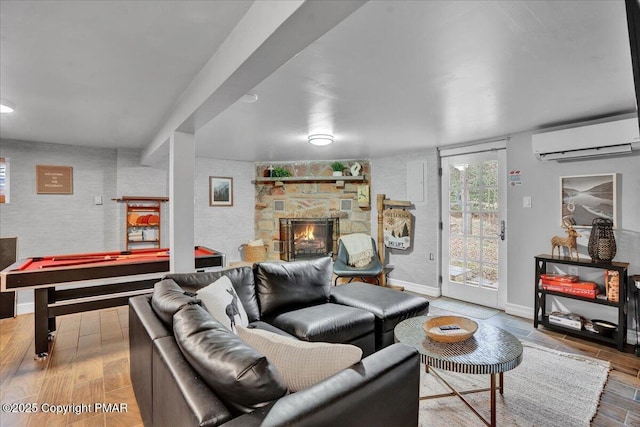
{"x": 89, "y": 363}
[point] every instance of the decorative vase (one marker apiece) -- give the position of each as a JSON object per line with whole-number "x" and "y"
{"x": 337, "y": 173}
{"x": 602, "y": 242}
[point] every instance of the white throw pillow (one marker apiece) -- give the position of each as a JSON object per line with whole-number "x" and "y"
{"x": 222, "y": 302}
{"x": 301, "y": 363}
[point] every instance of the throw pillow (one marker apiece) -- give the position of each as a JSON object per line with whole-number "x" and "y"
{"x": 222, "y": 302}
{"x": 240, "y": 375}
{"x": 301, "y": 363}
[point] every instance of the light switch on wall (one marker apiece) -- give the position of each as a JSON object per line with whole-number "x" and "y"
{"x": 97, "y": 200}
{"x": 526, "y": 202}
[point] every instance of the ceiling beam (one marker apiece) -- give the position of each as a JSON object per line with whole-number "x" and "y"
{"x": 269, "y": 35}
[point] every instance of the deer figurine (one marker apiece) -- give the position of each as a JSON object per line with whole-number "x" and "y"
{"x": 569, "y": 242}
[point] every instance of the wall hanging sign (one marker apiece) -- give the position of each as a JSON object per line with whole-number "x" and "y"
{"x": 220, "y": 191}
{"x": 54, "y": 179}
{"x": 397, "y": 228}
{"x": 363, "y": 196}
{"x": 586, "y": 197}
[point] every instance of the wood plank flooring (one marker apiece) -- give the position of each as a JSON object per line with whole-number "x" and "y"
{"x": 89, "y": 363}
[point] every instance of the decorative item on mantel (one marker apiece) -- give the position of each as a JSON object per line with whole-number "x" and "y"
{"x": 280, "y": 172}
{"x": 337, "y": 168}
{"x": 602, "y": 242}
{"x": 355, "y": 169}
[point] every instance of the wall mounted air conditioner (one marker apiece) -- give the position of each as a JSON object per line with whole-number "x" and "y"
{"x": 602, "y": 139}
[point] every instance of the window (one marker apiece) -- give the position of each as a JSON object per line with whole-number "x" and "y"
{"x": 4, "y": 180}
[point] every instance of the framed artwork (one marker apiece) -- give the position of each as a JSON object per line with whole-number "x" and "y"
{"x": 54, "y": 179}
{"x": 586, "y": 197}
{"x": 220, "y": 191}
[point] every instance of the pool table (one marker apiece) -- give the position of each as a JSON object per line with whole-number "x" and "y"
{"x": 73, "y": 283}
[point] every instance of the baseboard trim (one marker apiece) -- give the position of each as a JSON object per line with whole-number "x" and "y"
{"x": 25, "y": 308}
{"x": 519, "y": 310}
{"x": 417, "y": 288}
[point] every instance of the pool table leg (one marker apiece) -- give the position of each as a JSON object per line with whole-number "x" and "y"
{"x": 41, "y": 322}
{"x": 52, "y": 320}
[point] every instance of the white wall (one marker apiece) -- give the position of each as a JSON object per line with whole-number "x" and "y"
{"x": 224, "y": 228}
{"x": 529, "y": 230}
{"x": 413, "y": 268}
{"x": 48, "y": 224}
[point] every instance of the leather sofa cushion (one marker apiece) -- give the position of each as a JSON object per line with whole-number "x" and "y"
{"x": 301, "y": 363}
{"x": 241, "y": 376}
{"x": 283, "y": 286}
{"x": 388, "y": 305}
{"x": 241, "y": 278}
{"x": 168, "y": 298}
{"x": 326, "y": 322}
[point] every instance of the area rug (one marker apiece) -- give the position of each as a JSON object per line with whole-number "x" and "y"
{"x": 464, "y": 308}
{"x": 549, "y": 388}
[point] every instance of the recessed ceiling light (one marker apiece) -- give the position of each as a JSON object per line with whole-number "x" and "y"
{"x": 249, "y": 98}
{"x": 6, "y": 107}
{"x": 320, "y": 139}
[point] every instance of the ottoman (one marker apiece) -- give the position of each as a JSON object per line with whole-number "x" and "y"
{"x": 328, "y": 322}
{"x": 389, "y": 306}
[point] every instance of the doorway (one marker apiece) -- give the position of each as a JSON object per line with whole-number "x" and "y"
{"x": 474, "y": 225}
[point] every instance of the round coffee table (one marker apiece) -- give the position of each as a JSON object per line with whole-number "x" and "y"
{"x": 490, "y": 350}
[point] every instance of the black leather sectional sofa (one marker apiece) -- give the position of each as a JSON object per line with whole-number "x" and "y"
{"x": 292, "y": 299}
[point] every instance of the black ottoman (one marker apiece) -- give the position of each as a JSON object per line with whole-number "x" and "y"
{"x": 328, "y": 322}
{"x": 389, "y": 306}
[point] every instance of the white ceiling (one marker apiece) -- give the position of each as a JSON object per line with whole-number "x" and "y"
{"x": 394, "y": 76}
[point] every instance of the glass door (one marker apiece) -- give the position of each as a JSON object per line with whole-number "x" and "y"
{"x": 474, "y": 227}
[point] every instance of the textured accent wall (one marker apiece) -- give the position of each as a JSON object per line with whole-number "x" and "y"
{"x": 62, "y": 224}
{"x": 308, "y": 200}
{"x": 48, "y": 224}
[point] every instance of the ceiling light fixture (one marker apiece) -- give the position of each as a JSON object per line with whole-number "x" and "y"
{"x": 249, "y": 98}
{"x": 320, "y": 139}
{"x": 6, "y": 107}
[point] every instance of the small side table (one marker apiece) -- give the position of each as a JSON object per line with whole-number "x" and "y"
{"x": 490, "y": 350}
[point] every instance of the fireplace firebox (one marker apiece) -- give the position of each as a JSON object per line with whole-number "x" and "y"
{"x": 304, "y": 238}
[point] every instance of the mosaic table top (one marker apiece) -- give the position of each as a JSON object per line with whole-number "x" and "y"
{"x": 490, "y": 350}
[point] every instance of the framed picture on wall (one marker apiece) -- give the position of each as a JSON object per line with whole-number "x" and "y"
{"x": 220, "y": 191}
{"x": 586, "y": 197}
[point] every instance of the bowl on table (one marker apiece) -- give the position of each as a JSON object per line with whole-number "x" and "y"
{"x": 449, "y": 329}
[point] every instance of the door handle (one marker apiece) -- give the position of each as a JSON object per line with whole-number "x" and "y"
{"x": 502, "y": 230}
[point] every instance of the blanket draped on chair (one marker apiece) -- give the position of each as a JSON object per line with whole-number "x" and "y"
{"x": 359, "y": 247}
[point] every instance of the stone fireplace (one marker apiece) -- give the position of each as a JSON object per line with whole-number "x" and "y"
{"x": 304, "y": 238}
{"x": 311, "y": 193}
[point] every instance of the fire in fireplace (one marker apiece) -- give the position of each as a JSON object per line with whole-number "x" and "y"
{"x": 304, "y": 238}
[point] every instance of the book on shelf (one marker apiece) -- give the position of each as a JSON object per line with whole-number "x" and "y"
{"x": 568, "y": 320}
{"x": 559, "y": 277}
{"x": 569, "y": 290}
{"x": 576, "y": 285}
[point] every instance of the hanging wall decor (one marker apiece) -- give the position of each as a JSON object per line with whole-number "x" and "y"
{"x": 397, "y": 228}
{"x": 220, "y": 191}
{"x": 54, "y": 179}
{"x": 586, "y": 197}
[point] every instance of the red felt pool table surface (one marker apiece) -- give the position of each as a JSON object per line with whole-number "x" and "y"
{"x": 41, "y": 271}
{"x": 98, "y": 279}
